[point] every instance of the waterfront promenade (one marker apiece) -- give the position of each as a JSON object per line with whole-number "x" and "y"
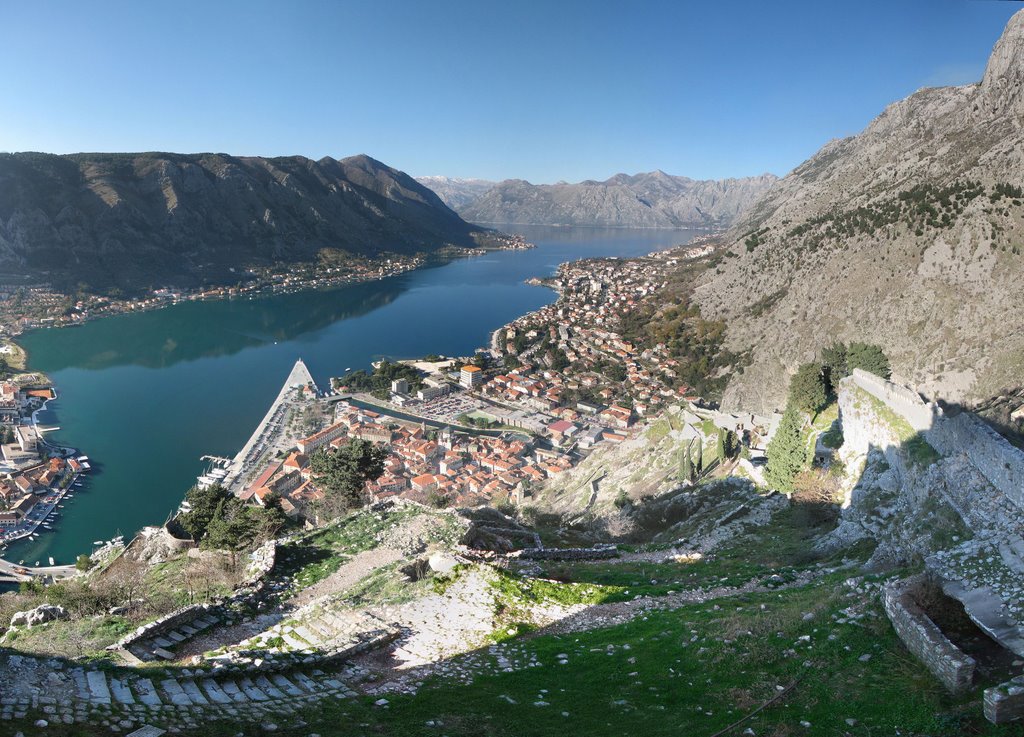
{"x": 13, "y": 573}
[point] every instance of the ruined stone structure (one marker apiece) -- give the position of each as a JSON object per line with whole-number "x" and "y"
{"x": 925, "y": 640}
{"x": 979, "y": 475}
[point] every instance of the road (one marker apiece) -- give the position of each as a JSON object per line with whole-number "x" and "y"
{"x": 9, "y": 572}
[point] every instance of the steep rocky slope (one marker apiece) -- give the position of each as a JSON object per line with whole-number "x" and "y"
{"x": 649, "y": 200}
{"x": 133, "y": 221}
{"x": 907, "y": 235}
{"x": 455, "y": 191}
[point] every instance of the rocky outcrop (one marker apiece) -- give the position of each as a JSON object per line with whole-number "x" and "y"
{"x": 135, "y": 221}
{"x": 40, "y": 615}
{"x": 649, "y": 200}
{"x": 907, "y": 235}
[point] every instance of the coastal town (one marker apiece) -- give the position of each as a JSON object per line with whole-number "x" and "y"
{"x": 35, "y": 476}
{"x": 487, "y": 428}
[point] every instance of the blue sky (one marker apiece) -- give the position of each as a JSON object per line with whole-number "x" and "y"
{"x": 536, "y": 89}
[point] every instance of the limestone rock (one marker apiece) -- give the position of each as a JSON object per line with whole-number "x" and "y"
{"x": 832, "y": 252}
{"x": 40, "y": 615}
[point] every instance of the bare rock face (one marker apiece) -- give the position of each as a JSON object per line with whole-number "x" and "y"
{"x": 649, "y": 200}
{"x": 908, "y": 235}
{"x": 40, "y": 615}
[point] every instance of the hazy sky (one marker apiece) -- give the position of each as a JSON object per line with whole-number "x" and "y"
{"x": 541, "y": 90}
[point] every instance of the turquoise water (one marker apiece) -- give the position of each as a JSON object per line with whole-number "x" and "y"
{"x": 145, "y": 395}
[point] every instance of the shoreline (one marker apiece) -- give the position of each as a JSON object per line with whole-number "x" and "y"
{"x": 268, "y": 283}
{"x": 550, "y": 282}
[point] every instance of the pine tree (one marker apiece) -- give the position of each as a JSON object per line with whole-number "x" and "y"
{"x": 786, "y": 454}
{"x": 698, "y": 464}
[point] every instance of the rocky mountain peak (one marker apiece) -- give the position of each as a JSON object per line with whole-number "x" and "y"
{"x": 1003, "y": 84}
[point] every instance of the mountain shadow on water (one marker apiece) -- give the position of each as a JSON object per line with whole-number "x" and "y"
{"x": 194, "y": 330}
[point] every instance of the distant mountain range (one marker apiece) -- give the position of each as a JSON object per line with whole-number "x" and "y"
{"x": 650, "y": 200}
{"x": 910, "y": 234}
{"x": 137, "y": 220}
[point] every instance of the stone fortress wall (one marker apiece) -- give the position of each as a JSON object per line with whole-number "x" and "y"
{"x": 953, "y": 434}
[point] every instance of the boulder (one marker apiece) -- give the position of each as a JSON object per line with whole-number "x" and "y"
{"x": 442, "y": 563}
{"x": 40, "y": 615}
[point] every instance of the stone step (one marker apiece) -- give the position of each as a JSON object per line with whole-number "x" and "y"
{"x": 214, "y": 691}
{"x": 186, "y": 629}
{"x": 98, "y": 690}
{"x": 81, "y": 685}
{"x": 264, "y": 684}
{"x": 285, "y": 685}
{"x": 308, "y": 635}
{"x": 306, "y": 682}
{"x": 176, "y": 636}
{"x": 162, "y": 642}
{"x": 323, "y": 631}
{"x": 249, "y": 689}
{"x": 121, "y": 692}
{"x": 294, "y": 642}
{"x": 146, "y": 692}
{"x": 174, "y": 693}
{"x": 140, "y": 652}
{"x": 192, "y": 689}
{"x": 234, "y": 692}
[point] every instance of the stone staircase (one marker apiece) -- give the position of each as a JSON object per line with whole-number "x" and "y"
{"x": 314, "y": 636}
{"x": 160, "y": 646}
{"x": 123, "y": 699}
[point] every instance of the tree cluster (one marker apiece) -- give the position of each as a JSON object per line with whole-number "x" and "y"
{"x": 219, "y": 520}
{"x": 839, "y": 360}
{"x": 379, "y": 382}
{"x": 342, "y": 474}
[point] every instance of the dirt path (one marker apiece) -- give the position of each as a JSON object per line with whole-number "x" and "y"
{"x": 348, "y": 575}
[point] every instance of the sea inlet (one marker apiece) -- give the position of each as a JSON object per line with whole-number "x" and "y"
{"x": 145, "y": 395}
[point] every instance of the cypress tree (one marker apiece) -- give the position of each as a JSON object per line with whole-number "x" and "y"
{"x": 786, "y": 454}
{"x": 723, "y": 445}
{"x": 685, "y": 465}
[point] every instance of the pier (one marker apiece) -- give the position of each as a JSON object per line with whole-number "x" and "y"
{"x": 269, "y": 429}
